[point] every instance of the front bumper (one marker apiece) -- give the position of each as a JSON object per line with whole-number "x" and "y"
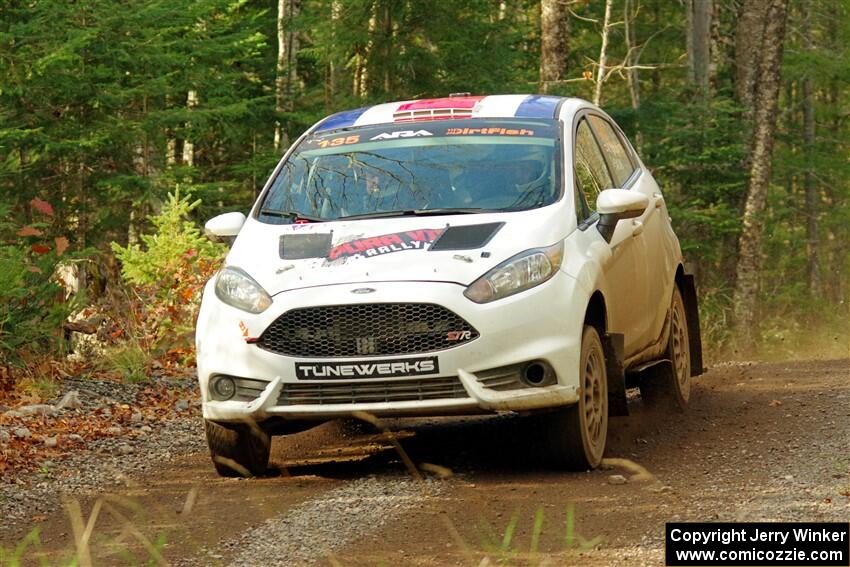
{"x": 543, "y": 323}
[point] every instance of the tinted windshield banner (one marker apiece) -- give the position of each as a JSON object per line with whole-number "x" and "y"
{"x": 390, "y": 132}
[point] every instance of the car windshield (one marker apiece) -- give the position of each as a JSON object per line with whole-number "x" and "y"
{"x": 418, "y": 168}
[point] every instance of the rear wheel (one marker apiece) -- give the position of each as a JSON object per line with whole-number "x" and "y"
{"x": 672, "y": 388}
{"x": 236, "y": 449}
{"x": 577, "y": 433}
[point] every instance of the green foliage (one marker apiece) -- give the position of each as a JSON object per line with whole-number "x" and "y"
{"x": 31, "y": 300}
{"x": 168, "y": 274}
{"x": 129, "y": 361}
{"x": 175, "y": 243}
{"x": 696, "y": 151}
{"x": 94, "y": 111}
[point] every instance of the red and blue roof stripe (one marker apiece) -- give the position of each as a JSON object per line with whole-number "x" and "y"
{"x": 538, "y": 106}
{"x": 532, "y": 106}
{"x": 341, "y": 119}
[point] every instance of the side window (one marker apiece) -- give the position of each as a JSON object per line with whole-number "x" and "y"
{"x": 615, "y": 154}
{"x": 592, "y": 175}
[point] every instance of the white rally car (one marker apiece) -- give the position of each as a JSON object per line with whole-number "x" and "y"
{"x": 462, "y": 255}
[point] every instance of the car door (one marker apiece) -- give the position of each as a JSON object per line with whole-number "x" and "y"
{"x": 626, "y": 286}
{"x": 652, "y": 260}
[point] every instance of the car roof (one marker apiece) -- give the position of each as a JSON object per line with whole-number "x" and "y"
{"x": 455, "y": 106}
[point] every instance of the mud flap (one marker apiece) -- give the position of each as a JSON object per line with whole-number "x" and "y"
{"x": 612, "y": 344}
{"x": 660, "y": 370}
{"x": 689, "y": 297}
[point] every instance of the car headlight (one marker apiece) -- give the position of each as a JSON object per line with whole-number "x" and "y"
{"x": 237, "y": 289}
{"x": 519, "y": 273}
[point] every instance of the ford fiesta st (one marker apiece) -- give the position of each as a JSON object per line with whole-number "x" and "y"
{"x": 462, "y": 255}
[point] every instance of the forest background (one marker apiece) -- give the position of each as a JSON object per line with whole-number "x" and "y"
{"x": 125, "y": 125}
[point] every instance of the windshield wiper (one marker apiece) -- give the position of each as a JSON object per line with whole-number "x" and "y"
{"x": 419, "y": 213}
{"x": 291, "y": 215}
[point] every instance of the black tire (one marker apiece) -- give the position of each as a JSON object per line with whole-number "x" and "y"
{"x": 669, "y": 386}
{"x": 577, "y": 433}
{"x": 237, "y": 450}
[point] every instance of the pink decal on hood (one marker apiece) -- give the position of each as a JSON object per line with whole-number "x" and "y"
{"x": 385, "y": 243}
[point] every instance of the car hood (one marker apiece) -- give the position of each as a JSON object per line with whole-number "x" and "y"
{"x": 451, "y": 248}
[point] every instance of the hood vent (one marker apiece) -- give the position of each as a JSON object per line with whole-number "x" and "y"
{"x": 467, "y": 237}
{"x": 302, "y": 246}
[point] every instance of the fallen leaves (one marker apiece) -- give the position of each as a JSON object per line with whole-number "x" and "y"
{"x": 42, "y": 206}
{"x": 73, "y": 429}
{"x": 61, "y": 244}
{"x": 29, "y": 231}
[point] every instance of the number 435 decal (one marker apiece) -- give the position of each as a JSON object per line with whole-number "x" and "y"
{"x": 341, "y": 141}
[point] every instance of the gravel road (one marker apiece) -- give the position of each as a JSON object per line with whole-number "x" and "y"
{"x": 760, "y": 442}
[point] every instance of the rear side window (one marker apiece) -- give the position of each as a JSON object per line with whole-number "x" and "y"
{"x": 592, "y": 175}
{"x": 615, "y": 154}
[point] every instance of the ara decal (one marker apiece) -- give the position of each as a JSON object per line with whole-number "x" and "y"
{"x": 401, "y": 134}
{"x": 385, "y": 244}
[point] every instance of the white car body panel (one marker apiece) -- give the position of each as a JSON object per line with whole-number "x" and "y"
{"x": 634, "y": 273}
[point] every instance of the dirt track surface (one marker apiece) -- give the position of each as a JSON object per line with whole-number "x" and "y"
{"x": 760, "y": 442}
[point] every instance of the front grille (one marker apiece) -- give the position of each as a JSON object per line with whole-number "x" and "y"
{"x": 368, "y": 329}
{"x": 405, "y": 390}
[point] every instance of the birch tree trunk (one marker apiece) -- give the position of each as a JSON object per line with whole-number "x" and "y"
{"x": 389, "y": 32}
{"x": 748, "y": 45}
{"x": 364, "y": 62}
{"x": 699, "y": 43}
{"x": 330, "y": 94}
{"x": 554, "y": 42}
{"x": 286, "y": 69}
{"x": 767, "y": 79}
{"x": 603, "y": 53}
{"x": 188, "y": 146}
{"x": 719, "y": 38}
{"x": 171, "y": 141}
{"x": 631, "y": 62}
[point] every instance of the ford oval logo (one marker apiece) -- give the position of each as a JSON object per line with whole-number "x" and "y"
{"x": 362, "y": 290}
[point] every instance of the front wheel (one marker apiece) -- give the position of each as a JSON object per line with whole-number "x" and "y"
{"x": 236, "y": 449}
{"x": 672, "y": 388}
{"x": 577, "y": 433}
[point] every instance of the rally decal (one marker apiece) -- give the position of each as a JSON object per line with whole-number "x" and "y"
{"x": 387, "y": 368}
{"x": 393, "y": 133}
{"x": 489, "y": 132}
{"x": 372, "y": 246}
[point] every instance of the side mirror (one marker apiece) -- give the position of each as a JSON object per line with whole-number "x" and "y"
{"x": 228, "y": 224}
{"x": 614, "y": 205}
